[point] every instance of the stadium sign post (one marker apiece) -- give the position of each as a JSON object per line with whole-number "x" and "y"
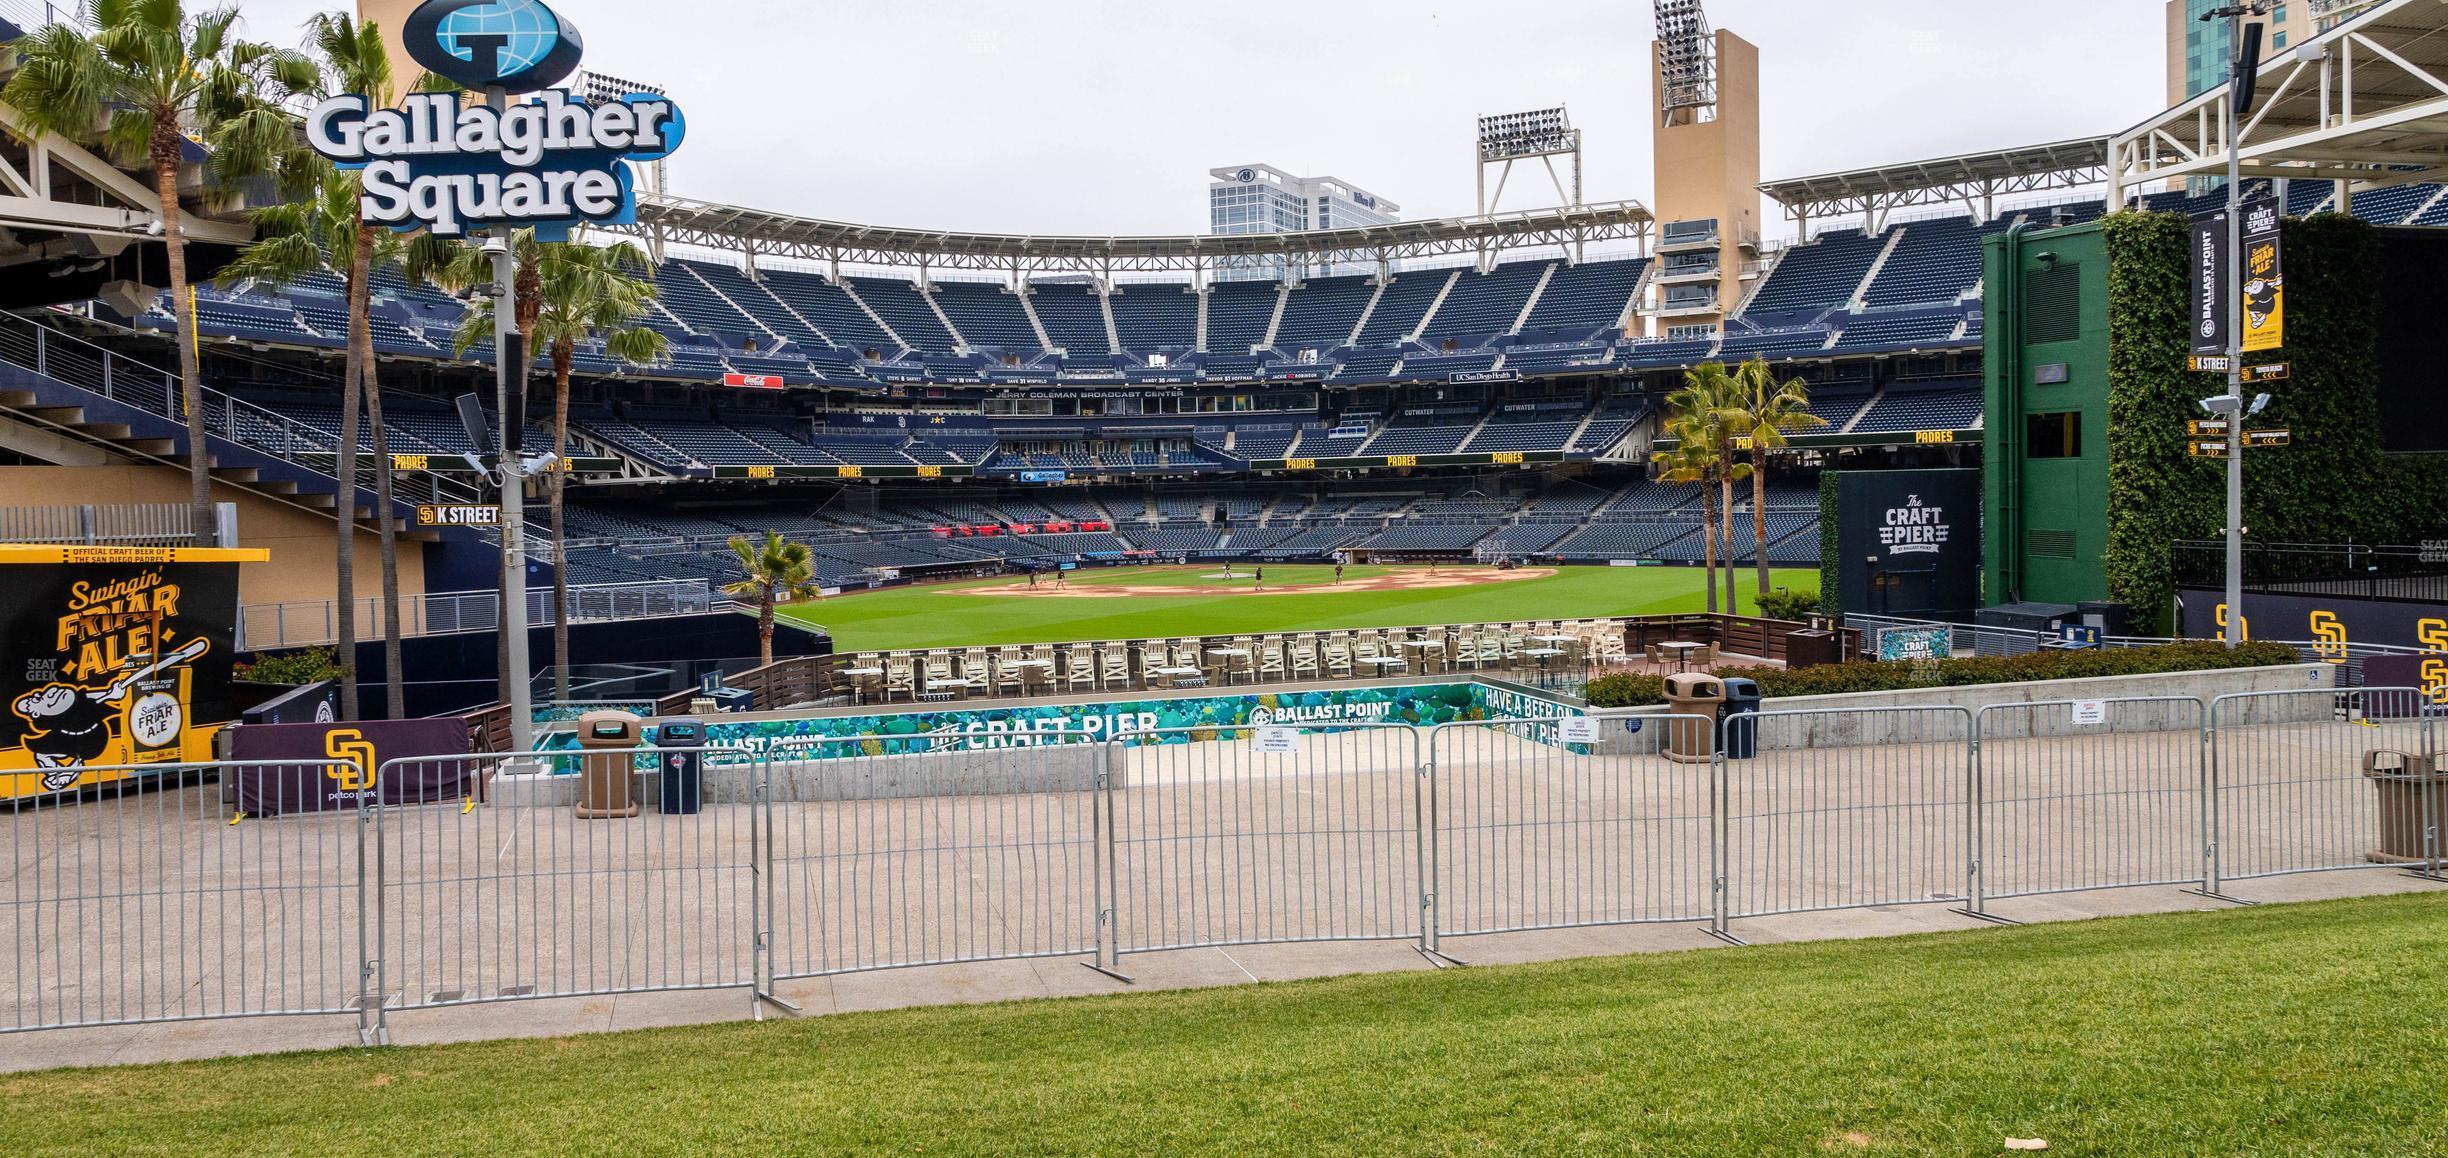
{"x": 2243, "y": 64}
{"x": 549, "y": 164}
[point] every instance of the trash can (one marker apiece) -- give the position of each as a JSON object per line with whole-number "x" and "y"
{"x": 605, "y": 770}
{"x": 2413, "y": 798}
{"x": 682, "y": 739}
{"x": 733, "y": 699}
{"x": 1738, "y": 723}
{"x": 1692, "y": 694}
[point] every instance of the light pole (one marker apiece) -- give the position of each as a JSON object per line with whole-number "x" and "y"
{"x": 2233, "y": 630}
{"x": 502, "y": 247}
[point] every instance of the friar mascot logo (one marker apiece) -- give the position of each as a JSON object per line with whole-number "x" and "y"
{"x": 109, "y": 667}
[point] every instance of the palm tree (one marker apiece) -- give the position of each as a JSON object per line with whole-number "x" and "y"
{"x": 1764, "y": 409}
{"x": 1704, "y": 454}
{"x": 318, "y": 229}
{"x": 1693, "y": 461}
{"x": 317, "y": 232}
{"x": 146, "y": 77}
{"x": 585, "y": 293}
{"x": 775, "y": 571}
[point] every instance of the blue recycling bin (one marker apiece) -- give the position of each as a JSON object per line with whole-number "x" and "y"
{"x": 682, "y": 741}
{"x": 1738, "y": 719}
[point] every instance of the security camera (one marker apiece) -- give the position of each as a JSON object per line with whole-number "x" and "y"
{"x": 494, "y": 246}
{"x": 2223, "y": 404}
{"x": 2260, "y": 402}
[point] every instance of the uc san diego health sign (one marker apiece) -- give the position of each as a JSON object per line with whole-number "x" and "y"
{"x": 549, "y": 162}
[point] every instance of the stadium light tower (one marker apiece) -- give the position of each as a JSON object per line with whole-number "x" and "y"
{"x": 1544, "y": 134}
{"x": 1687, "y": 64}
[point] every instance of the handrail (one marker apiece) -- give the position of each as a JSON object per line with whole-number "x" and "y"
{"x": 67, "y": 358}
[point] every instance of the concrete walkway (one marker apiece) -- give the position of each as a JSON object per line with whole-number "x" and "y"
{"x": 1067, "y": 976}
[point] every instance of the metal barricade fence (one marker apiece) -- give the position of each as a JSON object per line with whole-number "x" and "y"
{"x": 1529, "y": 832}
{"x": 1216, "y": 842}
{"x": 1846, "y": 808}
{"x": 142, "y": 899}
{"x": 929, "y": 849}
{"x": 2075, "y": 795}
{"x": 499, "y": 889}
{"x": 2289, "y": 791}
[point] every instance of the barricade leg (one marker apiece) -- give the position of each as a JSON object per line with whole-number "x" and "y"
{"x": 1721, "y": 905}
{"x": 1103, "y": 875}
{"x": 1424, "y": 816}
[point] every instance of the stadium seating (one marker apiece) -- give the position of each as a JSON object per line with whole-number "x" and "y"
{"x": 1487, "y": 303}
{"x": 1593, "y": 295}
{"x": 1818, "y": 275}
{"x": 1073, "y": 317}
{"x": 1155, "y": 316}
{"x": 1321, "y": 314}
{"x": 1237, "y": 315}
{"x": 907, "y": 311}
{"x": 1402, "y": 305}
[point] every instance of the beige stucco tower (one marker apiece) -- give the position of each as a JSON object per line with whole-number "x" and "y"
{"x": 1705, "y": 87}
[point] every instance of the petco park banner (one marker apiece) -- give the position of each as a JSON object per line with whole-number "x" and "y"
{"x": 1037, "y": 725}
{"x": 550, "y": 162}
{"x": 113, "y": 656}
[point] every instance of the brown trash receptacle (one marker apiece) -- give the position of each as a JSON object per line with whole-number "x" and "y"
{"x": 2413, "y": 800}
{"x": 606, "y": 769}
{"x": 1692, "y": 694}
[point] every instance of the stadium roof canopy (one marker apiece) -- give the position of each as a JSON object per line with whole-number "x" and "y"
{"x": 666, "y": 220}
{"x": 2365, "y": 103}
{"x": 1974, "y": 178}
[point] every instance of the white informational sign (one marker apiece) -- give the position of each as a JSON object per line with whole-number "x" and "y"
{"x": 1579, "y": 730}
{"x": 2090, "y": 713}
{"x": 1277, "y": 740}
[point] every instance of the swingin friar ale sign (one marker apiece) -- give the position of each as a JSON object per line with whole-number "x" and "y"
{"x": 115, "y": 659}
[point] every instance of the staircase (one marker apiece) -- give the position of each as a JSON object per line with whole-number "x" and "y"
{"x": 129, "y": 409}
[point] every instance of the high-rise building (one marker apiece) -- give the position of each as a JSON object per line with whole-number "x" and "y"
{"x": 2197, "y": 49}
{"x": 1265, "y": 199}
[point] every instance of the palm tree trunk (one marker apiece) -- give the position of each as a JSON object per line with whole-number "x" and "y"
{"x": 1725, "y": 514}
{"x": 1708, "y": 543}
{"x": 344, "y": 510}
{"x": 765, "y": 628}
{"x": 1759, "y": 513}
{"x": 165, "y": 150}
{"x": 361, "y": 333}
{"x": 555, "y": 485}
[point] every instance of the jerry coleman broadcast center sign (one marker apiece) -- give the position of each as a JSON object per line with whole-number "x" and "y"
{"x": 550, "y": 162}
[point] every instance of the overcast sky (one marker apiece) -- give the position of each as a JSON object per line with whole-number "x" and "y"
{"x": 1103, "y": 116}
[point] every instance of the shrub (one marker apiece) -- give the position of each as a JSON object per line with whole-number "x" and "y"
{"x": 295, "y": 668}
{"x": 1792, "y": 606}
{"x": 1625, "y": 691}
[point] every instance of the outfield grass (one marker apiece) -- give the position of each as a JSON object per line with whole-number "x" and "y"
{"x": 2286, "y": 1029}
{"x": 1297, "y": 599}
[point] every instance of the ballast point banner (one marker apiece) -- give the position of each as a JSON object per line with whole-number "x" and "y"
{"x": 112, "y": 657}
{"x": 450, "y": 166}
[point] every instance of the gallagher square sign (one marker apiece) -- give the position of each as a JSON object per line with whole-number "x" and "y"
{"x": 549, "y": 162}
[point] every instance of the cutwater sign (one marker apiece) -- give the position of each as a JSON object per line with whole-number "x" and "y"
{"x": 549, "y": 162}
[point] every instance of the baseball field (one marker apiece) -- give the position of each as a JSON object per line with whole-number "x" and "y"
{"x": 1137, "y": 602}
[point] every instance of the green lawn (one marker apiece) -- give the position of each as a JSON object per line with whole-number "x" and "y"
{"x": 945, "y": 615}
{"x": 2286, "y": 1029}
